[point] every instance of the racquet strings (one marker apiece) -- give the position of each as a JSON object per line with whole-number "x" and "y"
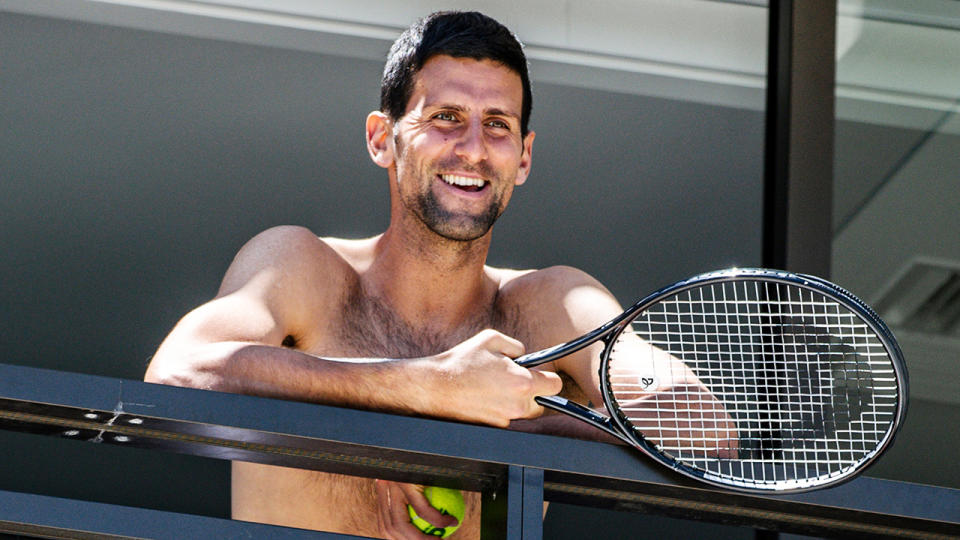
{"x": 794, "y": 387}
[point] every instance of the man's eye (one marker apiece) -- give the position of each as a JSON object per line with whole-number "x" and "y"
{"x": 445, "y": 116}
{"x": 498, "y": 124}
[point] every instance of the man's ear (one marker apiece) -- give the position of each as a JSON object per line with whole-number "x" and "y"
{"x": 526, "y": 158}
{"x": 380, "y": 138}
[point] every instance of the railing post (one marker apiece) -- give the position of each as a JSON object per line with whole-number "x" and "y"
{"x": 515, "y": 509}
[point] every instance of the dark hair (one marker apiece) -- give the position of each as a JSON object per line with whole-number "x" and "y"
{"x": 453, "y": 33}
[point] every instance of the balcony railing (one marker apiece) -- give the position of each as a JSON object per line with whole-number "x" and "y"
{"x": 514, "y": 471}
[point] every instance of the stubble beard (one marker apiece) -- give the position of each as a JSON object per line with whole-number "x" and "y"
{"x": 441, "y": 221}
{"x": 452, "y": 225}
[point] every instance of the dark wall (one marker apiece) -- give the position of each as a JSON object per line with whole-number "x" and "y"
{"x": 134, "y": 164}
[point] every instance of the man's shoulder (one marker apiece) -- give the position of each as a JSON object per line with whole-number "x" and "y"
{"x": 559, "y": 302}
{"x": 549, "y": 281}
{"x": 291, "y": 254}
{"x": 293, "y": 244}
{"x": 283, "y": 245}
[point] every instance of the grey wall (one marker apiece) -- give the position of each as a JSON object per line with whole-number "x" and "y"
{"x": 133, "y": 165}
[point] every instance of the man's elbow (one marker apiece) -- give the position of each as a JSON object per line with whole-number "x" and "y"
{"x": 180, "y": 373}
{"x": 162, "y": 374}
{"x": 192, "y": 364}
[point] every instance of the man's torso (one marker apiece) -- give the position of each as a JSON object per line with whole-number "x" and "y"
{"x": 362, "y": 326}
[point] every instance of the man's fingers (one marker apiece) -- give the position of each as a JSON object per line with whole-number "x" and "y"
{"x": 546, "y": 383}
{"x": 392, "y": 511}
{"x": 543, "y": 383}
{"x": 492, "y": 388}
{"x": 424, "y": 509}
{"x": 502, "y": 343}
{"x": 386, "y": 509}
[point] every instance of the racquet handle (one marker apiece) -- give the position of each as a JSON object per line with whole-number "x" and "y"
{"x": 580, "y": 412}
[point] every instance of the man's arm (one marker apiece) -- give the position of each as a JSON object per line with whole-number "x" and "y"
{"x": 234, "y": 343}
{"x": 561, "y": 303}
{"x": 577, "y": 304}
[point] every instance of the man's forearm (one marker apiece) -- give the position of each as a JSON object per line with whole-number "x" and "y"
{"x": 278, "y": 372}
{"x": 475, "y": 381}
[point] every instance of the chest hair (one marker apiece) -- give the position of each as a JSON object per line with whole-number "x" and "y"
{"x": 369, "y": 328}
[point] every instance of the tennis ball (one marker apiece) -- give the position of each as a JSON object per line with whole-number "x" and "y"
{"x": 448, "y": 502}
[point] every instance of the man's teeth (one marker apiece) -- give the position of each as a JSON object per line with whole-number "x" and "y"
{"x": 462, "y": 181}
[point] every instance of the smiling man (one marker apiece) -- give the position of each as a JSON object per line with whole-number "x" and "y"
{"x": 411, "y": 321}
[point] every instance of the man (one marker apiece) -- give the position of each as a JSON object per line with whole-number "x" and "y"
{"x": 411, "y": 321}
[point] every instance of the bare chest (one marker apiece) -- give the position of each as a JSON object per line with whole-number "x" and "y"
{"x": 365, "y": 327}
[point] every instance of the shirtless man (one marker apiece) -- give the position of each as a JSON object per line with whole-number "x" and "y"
{"x": 411, "y": 321}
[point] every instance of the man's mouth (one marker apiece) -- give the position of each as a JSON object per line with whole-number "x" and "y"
{"x": 465, "y": 183}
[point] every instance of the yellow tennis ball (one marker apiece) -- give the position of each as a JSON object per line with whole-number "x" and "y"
{"x": 447, "y": 501}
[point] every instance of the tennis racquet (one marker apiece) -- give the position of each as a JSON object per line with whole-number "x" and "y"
{"x": 750, "y": 379}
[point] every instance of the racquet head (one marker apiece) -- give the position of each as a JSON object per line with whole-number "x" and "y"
{"x": 756, "y": 380}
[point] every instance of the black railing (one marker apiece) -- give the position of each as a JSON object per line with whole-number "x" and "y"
{"x": 515, "y": 471}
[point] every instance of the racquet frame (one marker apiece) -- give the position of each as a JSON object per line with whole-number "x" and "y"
{"x": 614, "y": 425}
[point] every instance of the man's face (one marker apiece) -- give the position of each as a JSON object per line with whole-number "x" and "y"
{"x": 458, "y": 148}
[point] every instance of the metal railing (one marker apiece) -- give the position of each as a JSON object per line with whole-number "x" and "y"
{"x": 514, "y": 471}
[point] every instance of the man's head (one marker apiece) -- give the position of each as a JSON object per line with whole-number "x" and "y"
{"x": 452, "y": 126}
{"x": 457, "y": 34}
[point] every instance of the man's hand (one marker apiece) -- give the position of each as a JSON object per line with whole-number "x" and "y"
{"x": 392, "y": 501}
{"x": 484, "y": 384}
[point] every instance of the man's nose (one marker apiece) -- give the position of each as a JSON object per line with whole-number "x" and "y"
{"x": 472, "y": 146}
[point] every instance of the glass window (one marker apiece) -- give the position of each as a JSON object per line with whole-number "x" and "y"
{"x": 897, "y": 200}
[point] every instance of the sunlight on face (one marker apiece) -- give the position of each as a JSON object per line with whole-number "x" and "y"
{"x": 459, "y": 151}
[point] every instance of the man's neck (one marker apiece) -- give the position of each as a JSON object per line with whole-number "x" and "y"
{"x": 428, "y": 281}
